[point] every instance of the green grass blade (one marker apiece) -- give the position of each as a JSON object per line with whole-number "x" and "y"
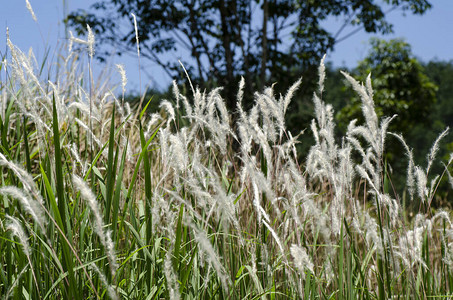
{"x": 116, "y": 198}
{"x": 27, "y": 149}
{"x": 67, "y": 259}
{"x": 111, "y": 170}
{"x": 144, "y": 109}
{"x": 178, "y": 237}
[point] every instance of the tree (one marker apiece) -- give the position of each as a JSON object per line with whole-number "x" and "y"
{"x": 227, "y": 39}
{"x": 441, "y": 73}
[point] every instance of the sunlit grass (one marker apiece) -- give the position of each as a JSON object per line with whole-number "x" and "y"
{"x": 100, "y": 201}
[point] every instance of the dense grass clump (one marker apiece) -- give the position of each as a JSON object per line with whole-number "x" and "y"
{"x": 98, "y": 201}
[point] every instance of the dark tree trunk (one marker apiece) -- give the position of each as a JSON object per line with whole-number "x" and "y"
{"x": 229, "y": 84}
{"x": 264, "y": 45}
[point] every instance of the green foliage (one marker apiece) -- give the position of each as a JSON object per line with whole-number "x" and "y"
{"x": 441, "y": 73}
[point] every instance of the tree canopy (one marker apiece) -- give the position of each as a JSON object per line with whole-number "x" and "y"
{"x": 262, "y": 40}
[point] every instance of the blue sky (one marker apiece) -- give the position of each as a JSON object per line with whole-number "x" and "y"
{"x": 430, "y": 35}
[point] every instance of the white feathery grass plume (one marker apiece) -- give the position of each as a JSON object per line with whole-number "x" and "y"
{"x": 205, "y": 200}
{"x": 104, "y": 236}
{"x": 287, "y": 151}
{"x": 360, "y": 89}
{"x": 82, "y": 107}
{"x": 392, "y": 207}
{"x": 314, "y": 129}
{"x": 322, "y": 75}
{"x": 199, "y": 101}
{"x": 443, "y": 215}
{"x": 368, "y": 110}
{"x": 28, "y": 67}
{"x": 221, "y": 106}
{"x": 371, "y": 232}
{"x": 110, "y": 289}
{"x": 169, "y": 109}
{"x": 422, "y": 181}
{"x": 187, "y": 106}
{"x": 90, "y": 133}
{"x": 269, "y": 108}
{"x": 3, "y": 96}
{"x": 136, "y": 33}
{"x": 322, "y": 160}
{"x": 187, "y": 204}
{"x": 164, "y": 133}
{"x": 383, "y": 130}
{"x": 30, "y": 9}
{"x": 301, "y": 260}
{"x": 289, "y": 95}
{"x": 30, "y": 205}
{"x": 32, "y": 58}
{"x": 226, "y": 205}
{"x": 256, "y": 201}
{"x": 127, "y": 109}
{"x": 24, "y": 177}
{"x": 77, "y": 40}
{"x": 90, "y": 41}
{"x": 240, "y": 95}
{"x": 243, "y": 128}
{"x": 411, "y": 243}
{"x": 448, "y": 256}
{"x": 218, "y": 127}
{"x": 267, "y": 150}
{"x": 70, "y": 43}
{"x": 366, "y": 157}
{"x": 346, "y": 166}
{"x": 362, "y": 172}
{"x": 122, "y": 72}
{"x": 369, "y": 86}
{"x": 336, "y": 213}
{"x": 253, "y": 269}
{"x": 434, "y": 149}
{"x": 432, "y": 188}
{"x": 16, "y": 281}
{"x": 188, "y": 77}
{"x": 178, "y": 150}
{"x": 172, "y": 281}
{"x": 119, "y": 108}
{"x": 75, "y": 152}
{"x": 245, "y": 138}
{"x": 450, "y": 178}
{"x": 59, "y": 102}
{"x": 93, "y": 109}
{"x": 253, "y": 117}
{"x": 176, "y": 93}
{"x": 14, "y": 54}
{"x": 155, "y": 117}
{"x": 18, "y": 231}
{"x": 450, "y": 159}
{"x": 410, "y": 181}
{"x": 276, "y": 238}
{"x": 214, "y": 259}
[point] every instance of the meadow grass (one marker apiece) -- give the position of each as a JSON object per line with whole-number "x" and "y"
{"x": 101, "y": 201}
